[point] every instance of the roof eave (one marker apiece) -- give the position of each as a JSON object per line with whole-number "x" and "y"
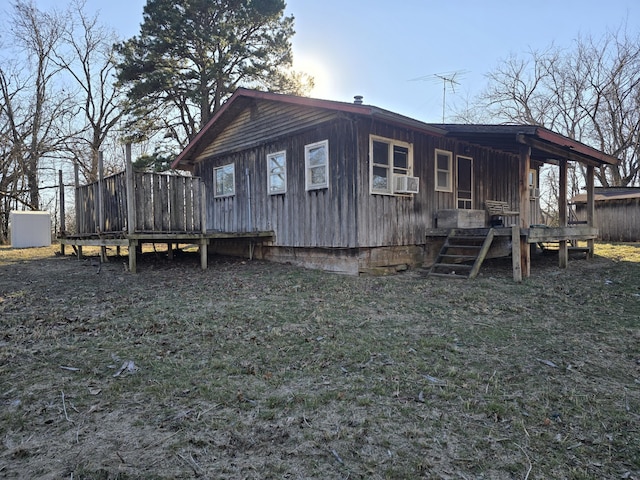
{"x": 593, "y": 157}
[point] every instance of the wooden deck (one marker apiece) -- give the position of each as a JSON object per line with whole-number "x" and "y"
{"x": 131, "y": 208}
{"x": 135, "y": 240}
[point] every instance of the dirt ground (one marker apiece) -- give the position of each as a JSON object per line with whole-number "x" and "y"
{"x": 255, "y": 370}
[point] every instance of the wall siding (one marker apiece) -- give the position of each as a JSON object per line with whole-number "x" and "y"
{"x": 616, "y": 220}
{"x": 318, "y": 218}
{"x": 345, "y": 215}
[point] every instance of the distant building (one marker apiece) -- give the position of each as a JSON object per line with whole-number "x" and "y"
{"x": 617, "y": 213}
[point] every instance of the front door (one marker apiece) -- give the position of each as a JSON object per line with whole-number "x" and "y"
{"x": 464, "y": 183}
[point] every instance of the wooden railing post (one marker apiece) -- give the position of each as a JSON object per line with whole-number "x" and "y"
{"x": 62, "y": 212}
{"x": 131, "y": 208}
{"x": 131, "y": 198}
{"x": 79, "y": 216}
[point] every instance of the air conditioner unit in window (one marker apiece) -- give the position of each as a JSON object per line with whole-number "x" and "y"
{"x": 406, "y": 184}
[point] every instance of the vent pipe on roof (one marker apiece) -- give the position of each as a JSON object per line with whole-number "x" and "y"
{"x": 357, "y": 99}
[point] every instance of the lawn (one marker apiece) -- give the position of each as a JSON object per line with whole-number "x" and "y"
{"x": 253, "y": 370}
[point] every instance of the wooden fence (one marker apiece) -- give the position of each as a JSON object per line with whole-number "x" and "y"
{"x": 161, "y": 204}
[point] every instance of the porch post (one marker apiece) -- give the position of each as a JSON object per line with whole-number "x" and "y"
{"x": 590, "y": 206}
{"x": 524, "y": 207}
{"x": 563, "y": 253}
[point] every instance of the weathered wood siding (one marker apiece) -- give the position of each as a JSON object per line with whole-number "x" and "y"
{"x": 163, "y": 203}
{"x": 617, "y": 220}
{"x": 345, "y": 215}
{"x": 404, "y": 220}
{"x": 264, "y": 122}
{"x": 299, "y": 218}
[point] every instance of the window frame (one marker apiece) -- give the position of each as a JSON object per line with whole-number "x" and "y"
{"x": 309, "y": 186}
{"x": 224, "y": 194}
{"x": 390, "y": 165}
{"x": 270, "y": 173}
{"x": 448, "y": 171}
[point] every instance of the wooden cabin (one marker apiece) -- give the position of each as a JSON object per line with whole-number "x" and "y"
{"x": 617, "y": 213}
{"x": 353, "y": 188}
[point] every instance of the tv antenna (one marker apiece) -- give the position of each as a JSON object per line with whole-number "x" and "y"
{"x": 450, "y": 78}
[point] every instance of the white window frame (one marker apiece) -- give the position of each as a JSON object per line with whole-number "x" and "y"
{"x": 449, "y": 171}
{"x": 271, "y": 173}
{"x": 390, "y": 167}
{"x": 309, "y": 185}
{"x": 232, "y": 192}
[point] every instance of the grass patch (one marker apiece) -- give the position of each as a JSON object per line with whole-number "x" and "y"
{"x": 257, "y": 370}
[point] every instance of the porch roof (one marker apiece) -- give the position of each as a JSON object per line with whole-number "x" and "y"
{"x": 546, "y": 146}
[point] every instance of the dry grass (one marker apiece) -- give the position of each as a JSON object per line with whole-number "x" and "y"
{"x": 256, "y": 370}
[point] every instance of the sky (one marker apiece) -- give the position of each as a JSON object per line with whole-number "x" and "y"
{"x": 393, "y": 52}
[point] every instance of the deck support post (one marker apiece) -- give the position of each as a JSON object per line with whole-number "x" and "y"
{"x": 133, "y": 247}
{"x": 170, "y": 251}
{"x": 563, "y": 252}
{"x": 524, "y": 208}
{"x": 203, "y": 253}
{"x": 590, "y": 207}
{"x": 516, "y": 254}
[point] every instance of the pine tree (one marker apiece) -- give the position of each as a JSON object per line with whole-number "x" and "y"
{"x": 191, "y": 55}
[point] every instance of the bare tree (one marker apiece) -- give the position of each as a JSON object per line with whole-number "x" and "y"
{"x": 590, "y": 93}
{"x": 36, "y": 110}
{"x": 86, "y": 53}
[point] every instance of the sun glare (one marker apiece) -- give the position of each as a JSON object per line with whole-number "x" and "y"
{"x": 322, "y": 81}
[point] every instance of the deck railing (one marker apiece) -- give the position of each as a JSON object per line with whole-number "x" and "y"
{"x": 161, "y": 203}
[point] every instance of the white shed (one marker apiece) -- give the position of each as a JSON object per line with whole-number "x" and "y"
{"x": 30, "y": 229}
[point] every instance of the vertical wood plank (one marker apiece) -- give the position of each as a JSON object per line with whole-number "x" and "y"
{"x": 203, "y": 208}
{"x": 130, "y": 197}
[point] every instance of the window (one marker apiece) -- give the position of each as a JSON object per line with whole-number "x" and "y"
{"x": 316, "y": 160}
{"x": 388, "y": 158}
{"x": 465, "y": 182}
{"x": 277, "y": 172}
{"x": 443, "y": 170}
{"x": 224, "y": 179}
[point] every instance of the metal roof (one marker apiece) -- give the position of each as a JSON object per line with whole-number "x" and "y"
{"x": 546, "y": 146}
{"x": 242, "y": 98}
{"x": 603, "y": 194}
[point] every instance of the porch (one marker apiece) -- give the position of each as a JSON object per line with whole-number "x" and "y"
{"x": 518, "y": 242}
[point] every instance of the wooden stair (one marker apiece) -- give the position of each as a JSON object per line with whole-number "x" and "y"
{"x": 462, "y": 253}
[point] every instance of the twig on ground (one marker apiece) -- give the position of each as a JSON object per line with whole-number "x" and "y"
{"x": 192, "y": 463}
{"x": 64, "y": 408}
{"x": 335, "y": 454}
{"x": 528, "y": 460}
